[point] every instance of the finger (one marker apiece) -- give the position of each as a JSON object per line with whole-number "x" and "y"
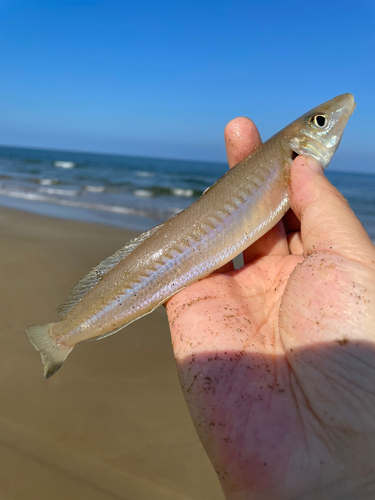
{"x": 295, "y": 243}
{"x": 327, "y": 222}
{"x": 241, "y": 139}
{"x": 291, "y": 222}
{"x": 226, "y": 268}
{"x": 272, "y": 243}
{"x": 293, "y": 233}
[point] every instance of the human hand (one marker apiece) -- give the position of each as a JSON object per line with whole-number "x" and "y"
{"x": 277, "y": 359}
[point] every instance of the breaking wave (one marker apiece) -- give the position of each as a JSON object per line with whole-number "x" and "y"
{"x": 64, "y": 164}
{"x": 149, "y": 187}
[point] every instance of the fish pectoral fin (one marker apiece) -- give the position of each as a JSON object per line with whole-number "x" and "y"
{"x": 53, "y": 355}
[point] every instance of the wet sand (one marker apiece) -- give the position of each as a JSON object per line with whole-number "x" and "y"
{"x": 112, "y": 423}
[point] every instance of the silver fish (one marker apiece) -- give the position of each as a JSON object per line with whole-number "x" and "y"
{"x": 236, "y": 211}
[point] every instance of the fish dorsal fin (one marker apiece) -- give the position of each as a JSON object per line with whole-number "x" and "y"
{"x": 96, "y": 274}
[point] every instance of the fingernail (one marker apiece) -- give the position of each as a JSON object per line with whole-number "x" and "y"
{"x": 315, "y": 165}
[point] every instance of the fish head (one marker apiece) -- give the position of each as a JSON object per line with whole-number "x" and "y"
{"x": 319, "y": 132}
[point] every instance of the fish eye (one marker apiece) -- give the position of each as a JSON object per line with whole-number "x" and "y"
{"x": 318, "y": 121}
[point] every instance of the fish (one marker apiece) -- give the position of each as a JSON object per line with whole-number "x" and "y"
{"x": 233, "y": 213}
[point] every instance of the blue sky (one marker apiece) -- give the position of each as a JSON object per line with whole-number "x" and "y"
{"x": 162, "y": 78}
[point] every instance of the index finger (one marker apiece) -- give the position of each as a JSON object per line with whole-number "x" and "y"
{"x": 241, "y": 139}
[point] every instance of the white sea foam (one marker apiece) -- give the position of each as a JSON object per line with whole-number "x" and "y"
{"x": 64, "y": 164}
{"x": 70, "y": 203}
{"x": 144, "y": 174}
{"x": 183, "y": 192}
{"x": 59, "y": 192}
{"x": 95, "y": 189}
{"x": 143, "y": 193}
{"x": 47, "y": 182}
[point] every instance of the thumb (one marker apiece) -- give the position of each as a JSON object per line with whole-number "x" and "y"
{"x": 328, "y": 224}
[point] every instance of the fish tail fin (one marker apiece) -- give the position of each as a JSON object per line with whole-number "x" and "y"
{"x": 53, "y": 355}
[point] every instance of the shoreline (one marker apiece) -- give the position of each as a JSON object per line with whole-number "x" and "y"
{"x": 127, "y": 221}
{"x": 112, "y": 422}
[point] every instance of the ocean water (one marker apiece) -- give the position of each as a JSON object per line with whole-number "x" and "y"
{"x": 130, "y": 192}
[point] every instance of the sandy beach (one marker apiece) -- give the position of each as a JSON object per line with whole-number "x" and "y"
{"x": 112, "y": 423}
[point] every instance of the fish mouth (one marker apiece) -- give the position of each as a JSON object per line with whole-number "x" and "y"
{"x": 348, "y": 104}
{"x": 344, "y": 105}
{"x": 294, "y": 154}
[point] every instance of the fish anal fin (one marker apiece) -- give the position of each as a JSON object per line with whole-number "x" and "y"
{"x": 96, "y": 274}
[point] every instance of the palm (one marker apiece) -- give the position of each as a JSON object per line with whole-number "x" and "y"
{"x": 254, "y": 407}
{"x": 235, "y": 378}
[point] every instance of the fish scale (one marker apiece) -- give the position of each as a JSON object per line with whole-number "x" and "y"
{"x": 236, "y": 211}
